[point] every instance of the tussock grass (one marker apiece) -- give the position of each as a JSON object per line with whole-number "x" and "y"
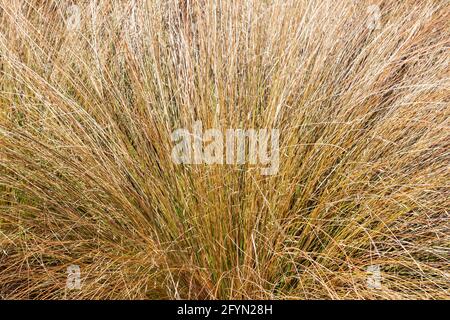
{"x": 86, "y": 176}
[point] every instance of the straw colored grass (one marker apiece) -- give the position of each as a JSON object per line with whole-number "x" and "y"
{"x": 86, "y": 175}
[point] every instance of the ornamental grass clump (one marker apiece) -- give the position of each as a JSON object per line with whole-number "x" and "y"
{"x": 93, "y": 205}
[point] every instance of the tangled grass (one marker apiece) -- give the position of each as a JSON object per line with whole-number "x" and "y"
{"x": 86, "y": 178}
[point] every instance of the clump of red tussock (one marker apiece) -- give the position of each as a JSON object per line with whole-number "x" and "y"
{"x": 86, "y": 176}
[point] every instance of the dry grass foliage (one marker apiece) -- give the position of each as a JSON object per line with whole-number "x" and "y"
{"x": 86, "y": 177}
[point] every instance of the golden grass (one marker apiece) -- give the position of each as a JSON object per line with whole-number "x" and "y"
{"x": 86, "y": 176}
